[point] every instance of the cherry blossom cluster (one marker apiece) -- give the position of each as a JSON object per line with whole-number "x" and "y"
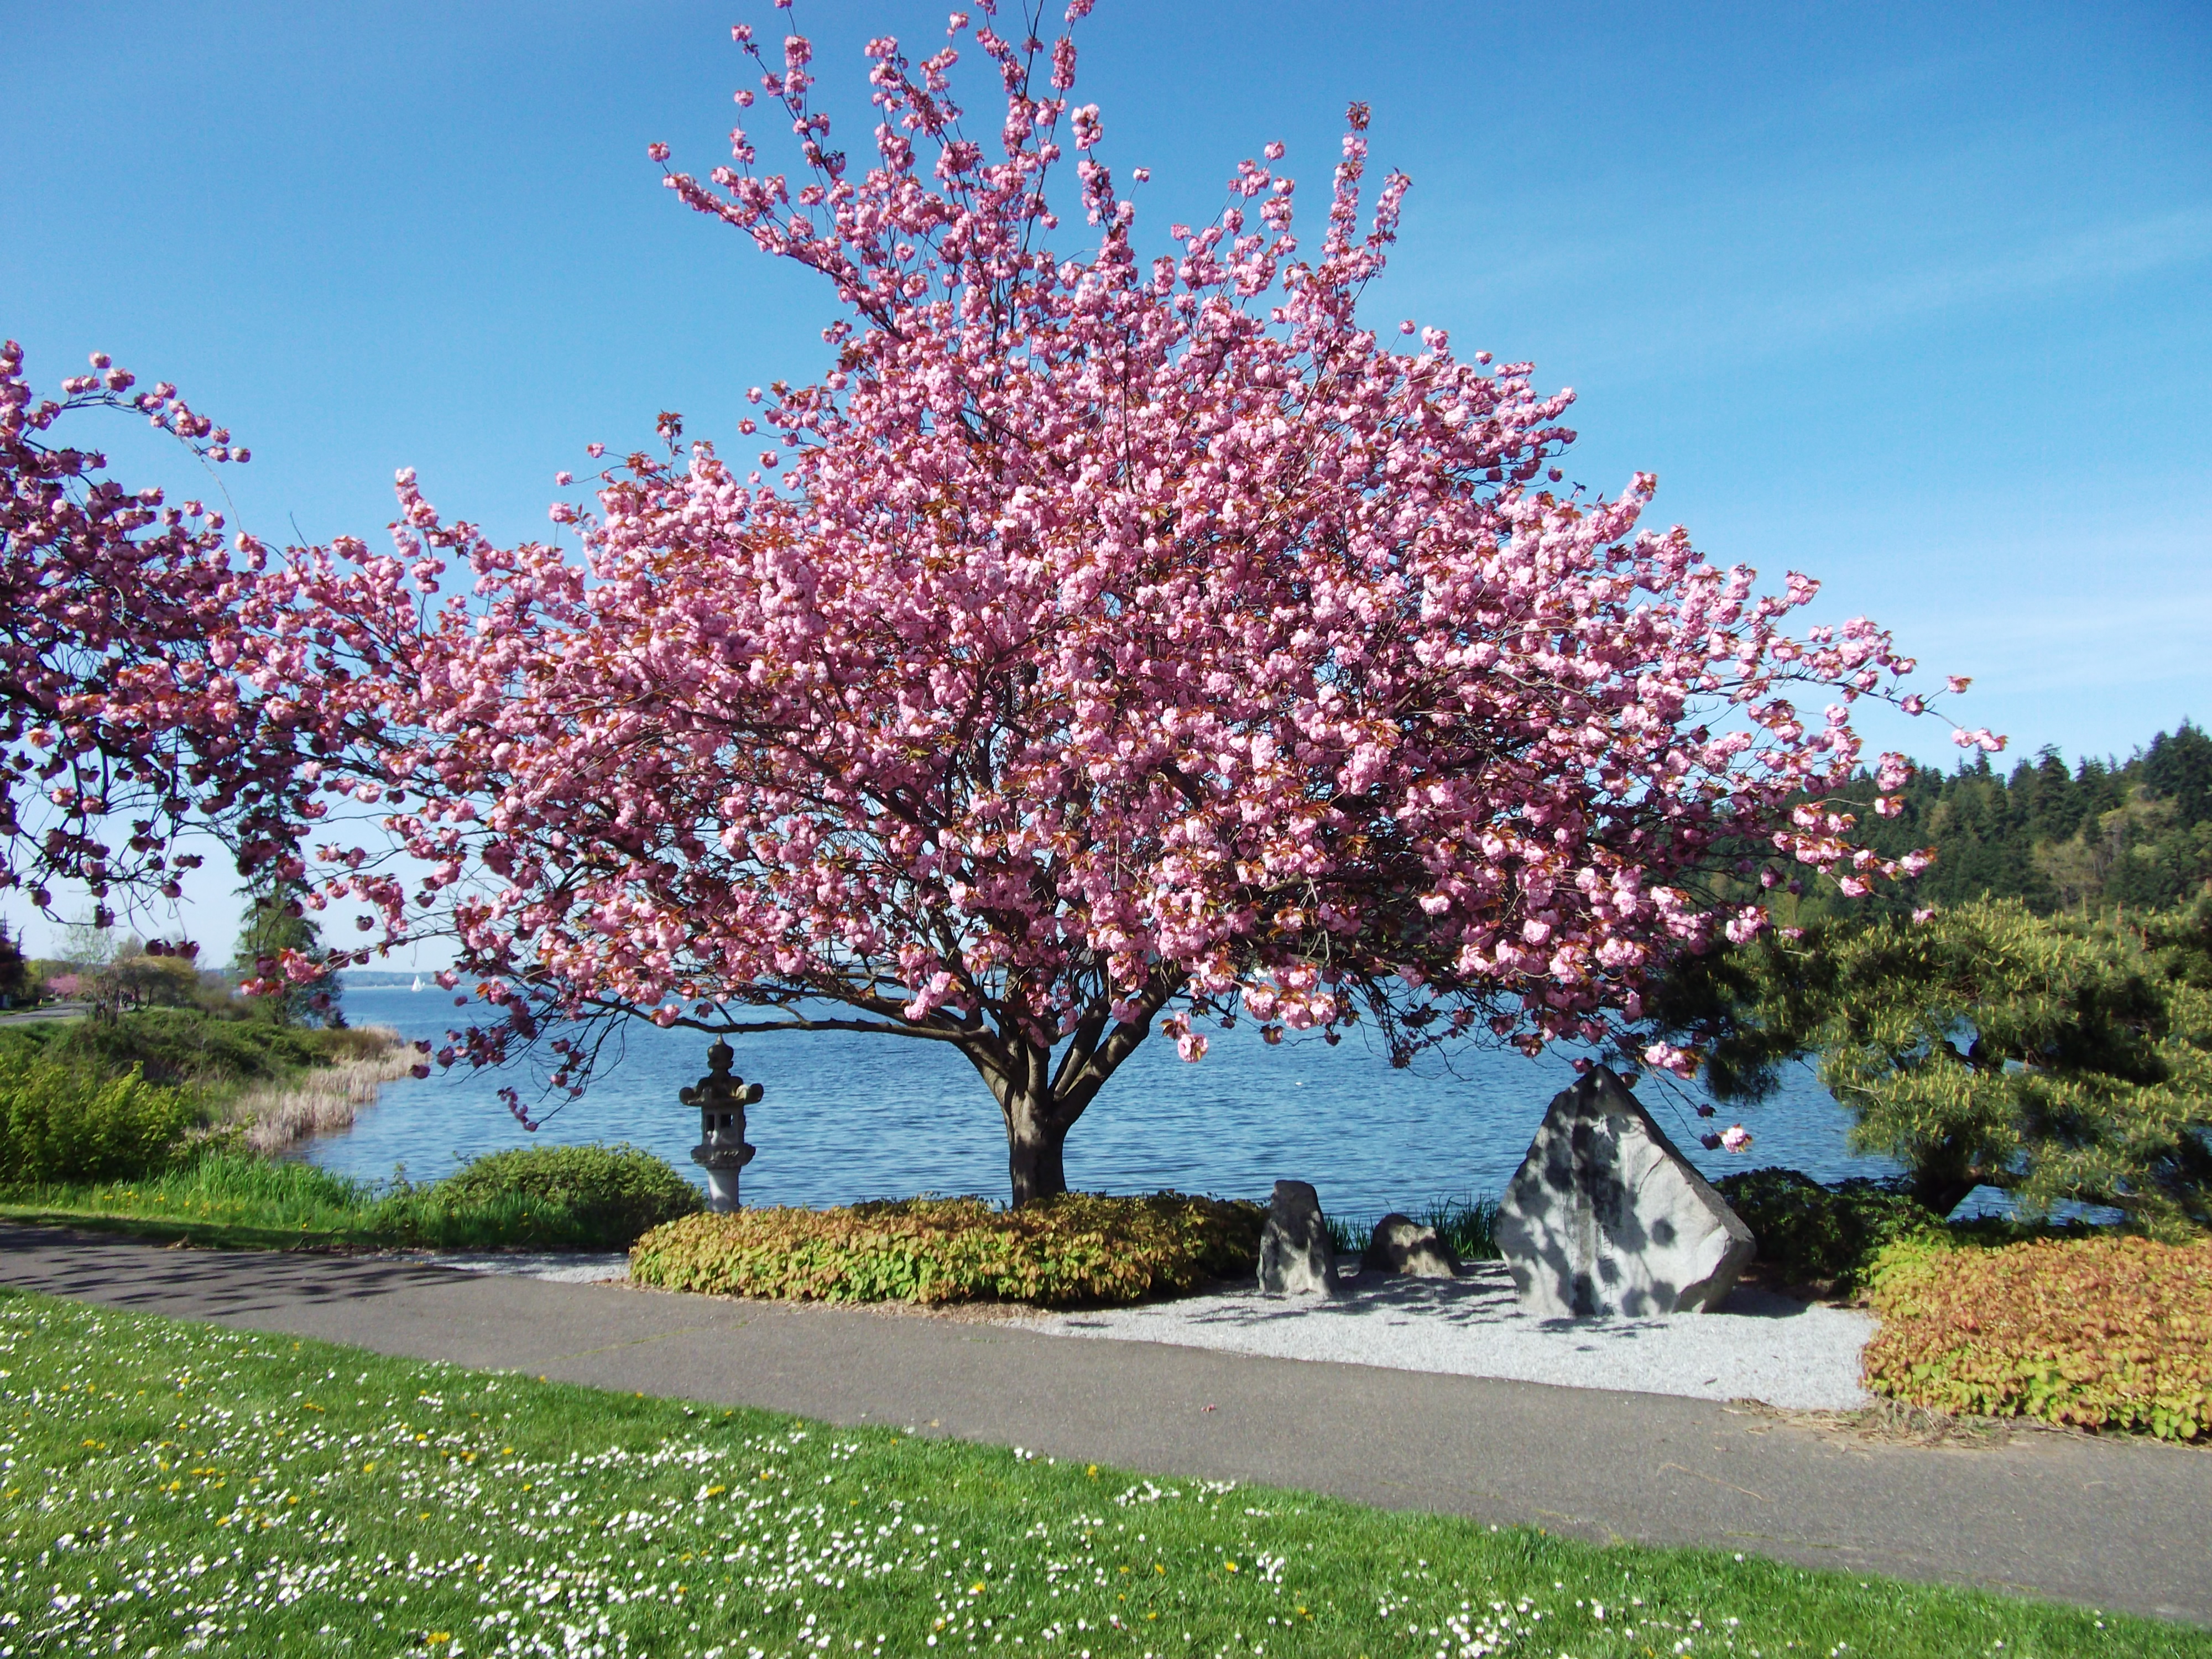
{"x": 120, "y": 721}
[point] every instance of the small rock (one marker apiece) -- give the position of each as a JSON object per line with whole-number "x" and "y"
{"x": 1402, "y": 1245}
{"x": 1605, "y": 1217}
{"x": 1295, "y": 1256}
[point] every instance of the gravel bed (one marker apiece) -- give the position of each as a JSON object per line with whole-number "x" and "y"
{"x": 564, "y": 1267}
{"x": 1758, "y": 1346}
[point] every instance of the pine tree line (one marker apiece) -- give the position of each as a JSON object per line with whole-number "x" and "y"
{"x": 2134, "y": 833}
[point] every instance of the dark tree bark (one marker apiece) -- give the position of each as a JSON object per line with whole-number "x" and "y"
{"x": 1036, "y": 1141}
{"x": 1040, "y": 1102}
{"x": 1943, "y": 1172}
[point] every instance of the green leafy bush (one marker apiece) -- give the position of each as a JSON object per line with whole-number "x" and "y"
{"x": 1810, "y": 1234}
{"x": 2098, "y": 1332}
{"x": 548, "y": 1196}
{"x": 60, "y": 1122}
{"x": 1070, "y": 1250}
{"x": 173, "y": 1045}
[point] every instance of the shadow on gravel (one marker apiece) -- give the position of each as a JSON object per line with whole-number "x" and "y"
{"x": 1482, "y": 1295}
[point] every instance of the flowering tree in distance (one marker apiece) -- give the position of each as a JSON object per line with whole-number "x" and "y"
{"x": 1106, "y": 642}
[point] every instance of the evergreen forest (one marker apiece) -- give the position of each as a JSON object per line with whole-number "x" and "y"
{"x": 2102, "y": 835}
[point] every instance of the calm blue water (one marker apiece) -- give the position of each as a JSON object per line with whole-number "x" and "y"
{"x": 848, "y": 1116}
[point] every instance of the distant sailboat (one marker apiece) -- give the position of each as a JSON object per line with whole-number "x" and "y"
{"x": 417, "y": 985}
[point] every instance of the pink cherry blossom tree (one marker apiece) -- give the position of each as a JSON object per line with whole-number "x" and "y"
{"x": 1108, "y": 642}
{"x": 120, "y": 720}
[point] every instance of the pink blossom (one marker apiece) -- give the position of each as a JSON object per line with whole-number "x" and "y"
{"x": 1747, "y": 924}
{"x": 1736, "y": 1138}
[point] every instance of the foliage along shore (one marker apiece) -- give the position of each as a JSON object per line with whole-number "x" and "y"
{"x": 159, "y": 1122}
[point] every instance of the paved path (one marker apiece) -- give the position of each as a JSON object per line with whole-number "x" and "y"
{"x": 53, "y": 1010}
{"x": 2111, "y": 1524}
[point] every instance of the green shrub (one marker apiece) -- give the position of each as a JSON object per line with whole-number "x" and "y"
{"x": 172, "y": 1045}
{"x": 60, "y": 1122}
{"x": 1810, "y": 1233}
{"x": 1070, "y": 1250}
{"x": 548, "y": 1196}
{"x": 2098, "y": 1332}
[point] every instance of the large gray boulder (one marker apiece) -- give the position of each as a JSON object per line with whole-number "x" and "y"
{"x": 1401, "y": 1245}
{"x": 1295, "y": 1256}
{"x": 1605, "y": 1217}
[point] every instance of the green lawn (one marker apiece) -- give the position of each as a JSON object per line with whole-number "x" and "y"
{"x": 167, "y": 1486}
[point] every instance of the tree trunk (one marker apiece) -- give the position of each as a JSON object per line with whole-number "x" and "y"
{"x": 1942, "y": 1175}
{"x": 1040, "y": 1102}
{"x": 1035, "y": 1139}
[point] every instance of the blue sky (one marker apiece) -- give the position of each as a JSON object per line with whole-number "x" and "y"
{"x": 1917, "y": 300}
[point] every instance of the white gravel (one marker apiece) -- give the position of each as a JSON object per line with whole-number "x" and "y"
{"x": 1758, "y": 1346}
{"x": 564, "y": 1267}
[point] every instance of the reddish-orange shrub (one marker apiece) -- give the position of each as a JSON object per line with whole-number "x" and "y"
{"x": 1071, "y": 1249}
{"x": 2100, "y": 1334}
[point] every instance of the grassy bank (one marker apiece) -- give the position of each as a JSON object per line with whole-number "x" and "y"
{"x": 101, "y": 1100}
{"x": 554, "y": 1197}
{"x": 161, "y": 1124}
{"x": 166, "y": 1485}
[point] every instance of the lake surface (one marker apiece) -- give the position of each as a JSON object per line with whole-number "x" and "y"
{"x": 848, "y": 1116}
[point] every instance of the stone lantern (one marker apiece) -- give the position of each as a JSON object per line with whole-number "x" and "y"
{"x": 721, "y": 1099}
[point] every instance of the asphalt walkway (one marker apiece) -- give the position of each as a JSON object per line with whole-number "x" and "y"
{"x": 2112, "y": 1524}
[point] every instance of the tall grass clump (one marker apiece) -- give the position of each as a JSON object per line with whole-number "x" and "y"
{"x": 222, "y": 1195}
{"x": 568, "y": 1198}
{"x": 280, "y": 1114}
{"x": 1468, "y": 1225}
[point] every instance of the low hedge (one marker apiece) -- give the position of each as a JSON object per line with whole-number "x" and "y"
{"x": 550, "y": 1197}
{"x": 1074, "y": 1249}
{"x": 1812, "y": 1234}
{"x": 2098, "y": 1332}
